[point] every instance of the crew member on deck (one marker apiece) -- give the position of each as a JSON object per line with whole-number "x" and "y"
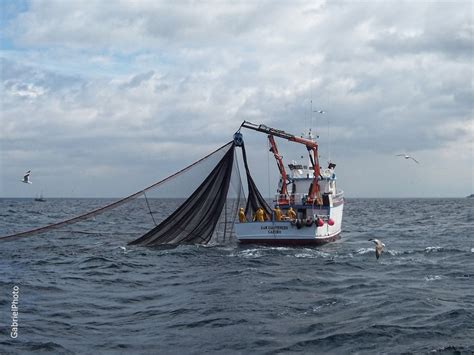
{"x": 277, "y": 214}
{"x": 260, "y": 215}
{"x": 242, "y": 217}
{"x": 291, "y": 214}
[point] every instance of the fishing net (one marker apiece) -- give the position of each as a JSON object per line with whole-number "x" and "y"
{"x": 255, "y": 199}
{"x": 198, "y": 204}
{"x": 195, "y": 220}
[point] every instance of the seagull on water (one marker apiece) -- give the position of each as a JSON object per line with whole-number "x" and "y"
{"x": 408, "y": 157}
{"x": 378, "y": 247}
{"x": 26, "y": 178}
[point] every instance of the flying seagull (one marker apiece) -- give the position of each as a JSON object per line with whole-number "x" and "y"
{"x": 320, "y": 111}
{"x": 26, "y": 178}
{"x": 378, "y": 247}
{"x": 408, "y": 157}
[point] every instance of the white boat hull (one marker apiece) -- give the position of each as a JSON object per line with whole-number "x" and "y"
{"x": 288, "y": 233}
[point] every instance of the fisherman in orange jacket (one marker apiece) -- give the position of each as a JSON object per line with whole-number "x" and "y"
{"x": 260, "y": 215}
{"x": 277, "y": 214}
{"x": 291, "y": 214}
{"x": 242, "y": 217}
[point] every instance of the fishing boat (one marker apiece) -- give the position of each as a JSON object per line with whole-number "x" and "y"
{"x": 307, "y": 208}
{"x": 40, "y": 198}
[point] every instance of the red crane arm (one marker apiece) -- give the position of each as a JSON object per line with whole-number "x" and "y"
{"x": 314, "y": 193}
{"x": 281, "y": 166}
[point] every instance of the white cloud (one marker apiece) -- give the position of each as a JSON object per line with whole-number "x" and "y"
{"x": 114, "y": 84}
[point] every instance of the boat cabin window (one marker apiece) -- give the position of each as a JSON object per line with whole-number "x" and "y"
{"x": 296, "y": 166}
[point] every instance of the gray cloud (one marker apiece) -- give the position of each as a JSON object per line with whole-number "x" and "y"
{"x": 132, "y": 84}
{"x": 138, "y": 79}
{"x": 450, "y": 42}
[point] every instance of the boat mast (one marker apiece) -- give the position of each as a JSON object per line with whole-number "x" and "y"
{"x": 314, "y": 195}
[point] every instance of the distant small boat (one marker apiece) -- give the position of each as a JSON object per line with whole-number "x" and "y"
{"x": 470, "y": 196}
{"x": 40, "y": 198}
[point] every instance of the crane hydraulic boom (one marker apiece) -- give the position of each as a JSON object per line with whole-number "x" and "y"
{"x": 279, "y": 133}
{"x": 314, "y": 195}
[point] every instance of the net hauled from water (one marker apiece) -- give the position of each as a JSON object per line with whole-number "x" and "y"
{"x": 196, "y": 205}
{"x": 195, "y": 220}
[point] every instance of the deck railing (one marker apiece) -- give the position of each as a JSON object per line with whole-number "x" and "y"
{"x": 300, "y": 198}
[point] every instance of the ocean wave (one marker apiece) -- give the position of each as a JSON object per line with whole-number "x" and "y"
{"x": 363, "y": 251}
{"x": 433, "y": 277}
{"x": 451, "y": 349}
{"x": 312, "y": 254}
{"x": 248, "y": 253}
{"x": 427, "y": 250}
{"x": 433, "y": 249}
{"x": 323, "y": 305}
{"x": 49, "y": 346}
{"x": 438, "y": 249}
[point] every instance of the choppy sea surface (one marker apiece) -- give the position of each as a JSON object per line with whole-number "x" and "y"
{"x": 83, "y": 290}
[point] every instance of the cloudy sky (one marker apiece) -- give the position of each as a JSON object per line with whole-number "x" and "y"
{"x": 102, "y": 98}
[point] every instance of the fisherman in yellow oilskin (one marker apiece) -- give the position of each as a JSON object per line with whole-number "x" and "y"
{"x": 277, "y": 214}
{"x": 242, "y": 217}
{"x": 291, "y": 214}
{"x": 260, "y": 215}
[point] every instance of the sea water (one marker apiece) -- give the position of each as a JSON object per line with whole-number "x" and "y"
{"x": 83, "y": 290}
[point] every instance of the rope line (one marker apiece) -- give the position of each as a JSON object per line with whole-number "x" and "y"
{"x": 149, "y": 209}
